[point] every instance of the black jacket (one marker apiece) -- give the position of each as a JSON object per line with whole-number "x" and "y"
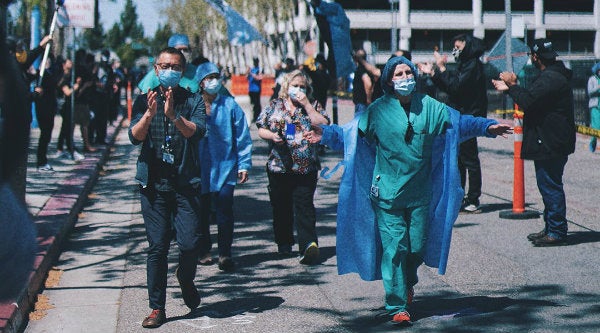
{"x": 466, "y": 86}
{"x": 548, "y": 121}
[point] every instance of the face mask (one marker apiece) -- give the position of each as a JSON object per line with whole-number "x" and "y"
{"x": 212, "y": 86}
{"x": 456, "y": 53}
{"x": 168, "y": 77}
{"x": 404, "y": 87}
{"x": 293, "y": 92}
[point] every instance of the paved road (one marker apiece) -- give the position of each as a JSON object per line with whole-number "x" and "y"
{"x": 496, "y": 281}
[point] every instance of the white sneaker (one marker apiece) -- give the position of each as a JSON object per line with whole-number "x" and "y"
{"x": 78, "y": 157}
{"x": 46, "y": 168}
{"x": 471, "y": 208}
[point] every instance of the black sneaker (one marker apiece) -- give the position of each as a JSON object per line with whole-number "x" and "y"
{"x": 226, "y": 264}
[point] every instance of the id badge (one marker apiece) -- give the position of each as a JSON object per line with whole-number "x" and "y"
{"x": 374, "y": 191}
{"x": 290, "y": 131}
{"x": 168, "y": 158}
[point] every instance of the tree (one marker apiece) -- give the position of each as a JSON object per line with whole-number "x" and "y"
{"x": 161, "y": 38}
{"x": 127, "y": 38}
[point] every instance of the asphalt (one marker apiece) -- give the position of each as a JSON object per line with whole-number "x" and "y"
{"x": 92, "y": 243}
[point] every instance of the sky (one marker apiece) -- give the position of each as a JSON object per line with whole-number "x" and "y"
{"x": 147, "y": 10}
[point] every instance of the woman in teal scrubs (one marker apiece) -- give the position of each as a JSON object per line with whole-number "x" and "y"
{"x": 415, "y": 187}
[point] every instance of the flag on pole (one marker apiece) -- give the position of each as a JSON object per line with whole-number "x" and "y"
{"x": 334, "y": 26}
{"x": 497, "y": 55}
{"x": 239, "y": 30}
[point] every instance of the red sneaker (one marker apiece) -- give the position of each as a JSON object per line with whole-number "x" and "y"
{"x": 401, "y": 317}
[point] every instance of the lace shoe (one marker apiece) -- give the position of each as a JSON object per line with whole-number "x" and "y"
{"x": 536, "y": 235}
{"x": 549, "y": 241}
{"x": 156, "y": 318}
{"x": 190, "y": 294}
{"x": 311, "y": 254}
{"x": 401, "y": 318}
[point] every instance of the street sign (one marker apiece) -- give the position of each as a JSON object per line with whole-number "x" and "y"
{"x": 80, "y": 13}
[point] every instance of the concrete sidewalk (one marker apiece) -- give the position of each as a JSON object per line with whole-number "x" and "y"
{"x": 54, "y": 199}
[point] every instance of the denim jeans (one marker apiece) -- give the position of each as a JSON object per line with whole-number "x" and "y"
{"x": 163, "y": 212}
{"x": 548, "y": 174}
{"x": 220, "y": 205}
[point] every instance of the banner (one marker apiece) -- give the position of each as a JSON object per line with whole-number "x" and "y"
{"x": 77, "y": 14}
{"x": 334, "y": 27}
{"x": 239, "y": 31}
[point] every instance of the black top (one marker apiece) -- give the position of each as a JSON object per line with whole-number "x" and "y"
{"x": 548, "y": 121}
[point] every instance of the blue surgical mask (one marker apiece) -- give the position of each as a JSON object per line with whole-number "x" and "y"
{"x": 168, "y": 77}
{"x": 293, "y": 92}
{"x": 404, "y": 87}
{"x": 212, "y": 86}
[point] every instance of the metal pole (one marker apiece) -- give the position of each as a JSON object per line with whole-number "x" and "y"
{"x": 507, "y": 10}
{"x": 394, "y": 41}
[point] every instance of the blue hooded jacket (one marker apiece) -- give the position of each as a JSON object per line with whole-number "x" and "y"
{"x": 358, "y": 244}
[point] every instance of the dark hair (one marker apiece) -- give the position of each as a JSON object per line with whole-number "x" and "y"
{"x": 460, "y": 37}
{"x": 172, "y": 50}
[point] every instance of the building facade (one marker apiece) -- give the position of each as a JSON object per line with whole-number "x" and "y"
{"x": 421, "y": 26}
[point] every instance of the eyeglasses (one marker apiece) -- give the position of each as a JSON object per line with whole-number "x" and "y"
{"x": 175, "y": 67}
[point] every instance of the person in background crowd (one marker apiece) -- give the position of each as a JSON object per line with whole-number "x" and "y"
{"x": 593, "y": 91}
{"x": 17, "y": 50}
{"x": 225, "y": 156}
{"x": 292, "y": 164}
{"x": 255, "y": 76}
{"x": 363, "y": 83}
{"x": 281, "y": 69}
{"x": 45, "y": 112}
{"x": 466, "y": 87}
{"x": 321, "y": 80}
{"x": 548, "y": 134}
{"x": 169, "y": 122}
{"x": 65, "y": 136}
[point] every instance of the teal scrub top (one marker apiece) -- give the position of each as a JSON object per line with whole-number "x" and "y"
{"x": 401, "y": 177}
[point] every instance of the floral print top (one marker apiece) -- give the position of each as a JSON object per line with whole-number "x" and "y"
{"x": 296, "y": 155}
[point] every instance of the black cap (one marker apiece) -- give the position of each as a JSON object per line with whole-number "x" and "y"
{"x": 543, "y": 48}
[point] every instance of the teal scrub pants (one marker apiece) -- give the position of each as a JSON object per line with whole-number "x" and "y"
{"x": 403, "y": 237}
{"x": 594, "y": 123}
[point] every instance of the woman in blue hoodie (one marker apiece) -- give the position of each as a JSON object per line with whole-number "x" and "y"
{"x": 225, "y": 157}
{"x": 407, "y": 145}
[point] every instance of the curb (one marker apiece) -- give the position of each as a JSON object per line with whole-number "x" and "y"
{"x": 54, "y": 222}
